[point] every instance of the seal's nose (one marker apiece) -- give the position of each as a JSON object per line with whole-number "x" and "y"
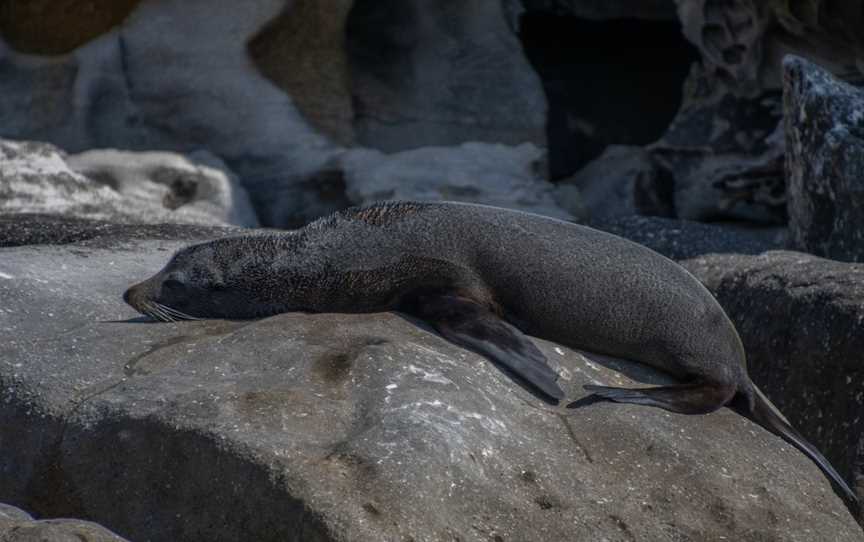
{"x": 127, "y": 296}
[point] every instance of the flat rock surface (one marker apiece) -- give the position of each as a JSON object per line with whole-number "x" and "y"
{"x": 40, "y": 229}
{"x": 350, "y": 427}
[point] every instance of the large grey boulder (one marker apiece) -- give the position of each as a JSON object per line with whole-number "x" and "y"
{"x": 824, "y": 162}
{"x": 16, "y": 525}
{"x": 350, "y": 427}
{"x": 800, "y": 320}
{"x": 121, "y": 186}
{"x": 492, "y": 174}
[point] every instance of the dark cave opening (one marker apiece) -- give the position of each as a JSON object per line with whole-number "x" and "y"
{"x": 607, "y": 82}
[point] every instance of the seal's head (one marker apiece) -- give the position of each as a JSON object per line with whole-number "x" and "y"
{"x": 239, "y": 277}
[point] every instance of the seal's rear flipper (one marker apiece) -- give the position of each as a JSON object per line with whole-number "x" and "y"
{"x": 469, "y": 324}
{"x": 762, "y": 411}
{"x": 692, "y": 398}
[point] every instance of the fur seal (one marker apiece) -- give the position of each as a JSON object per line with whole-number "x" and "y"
{"x": 485, "y": 277}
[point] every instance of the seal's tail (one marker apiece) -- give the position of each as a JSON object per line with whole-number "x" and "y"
{"x": 760, "y": 409}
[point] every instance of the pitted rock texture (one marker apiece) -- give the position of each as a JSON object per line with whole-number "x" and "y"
{"x": 824, "y": 162}
{"x": 16, "y": 525}
{"x": 351, "y": 427}
{"x": 800, "y": 318}
{"x": 121, "y": 186}
{"x": 729, "y": 35}
{"x": 724, "y": 150}
{"x": 742, "y": 41}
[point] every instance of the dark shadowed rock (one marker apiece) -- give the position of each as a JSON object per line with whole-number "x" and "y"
{"x": 730, "y": 37}
{"x": 723, "y": 150}
{"x": 350, "y": 427}
{"x": 743, "y": 42}
{"x": 724, "y": 154}
{"x": 824, "y": 162}
{"x": 680, "y": 239}
{"x": 800, "y": 318}
{"x": 622, "y": 181}
{"x": 430, "y": 73}
{"x": 605, "y": 9}
{"x": 16, "y": 525}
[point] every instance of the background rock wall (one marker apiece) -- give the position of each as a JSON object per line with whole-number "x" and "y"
{"x": 280, "y": 89}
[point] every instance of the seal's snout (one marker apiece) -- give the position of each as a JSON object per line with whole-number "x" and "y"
{"x": 133, "y": 297}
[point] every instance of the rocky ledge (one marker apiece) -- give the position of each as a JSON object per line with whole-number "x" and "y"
{"x": 348, "y": 427}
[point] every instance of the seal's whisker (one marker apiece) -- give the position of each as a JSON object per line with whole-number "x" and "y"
{"x": 167, "y": 315}
{"x": 148, "y": 311}
{"x": 163, "y": 310}
{"x": 158, "y": 312}
{"x": 174, "y": 312}
{"x": 170, "y": 312}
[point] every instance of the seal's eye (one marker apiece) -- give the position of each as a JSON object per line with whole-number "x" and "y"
{"x": 172, "y": 284}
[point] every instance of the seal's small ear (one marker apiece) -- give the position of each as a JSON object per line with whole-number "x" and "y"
{"x": 469, "y": 324}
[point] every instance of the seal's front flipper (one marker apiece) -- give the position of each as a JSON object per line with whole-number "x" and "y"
{"x": 469, "y": 324}
{"x": 692, "y": 398}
